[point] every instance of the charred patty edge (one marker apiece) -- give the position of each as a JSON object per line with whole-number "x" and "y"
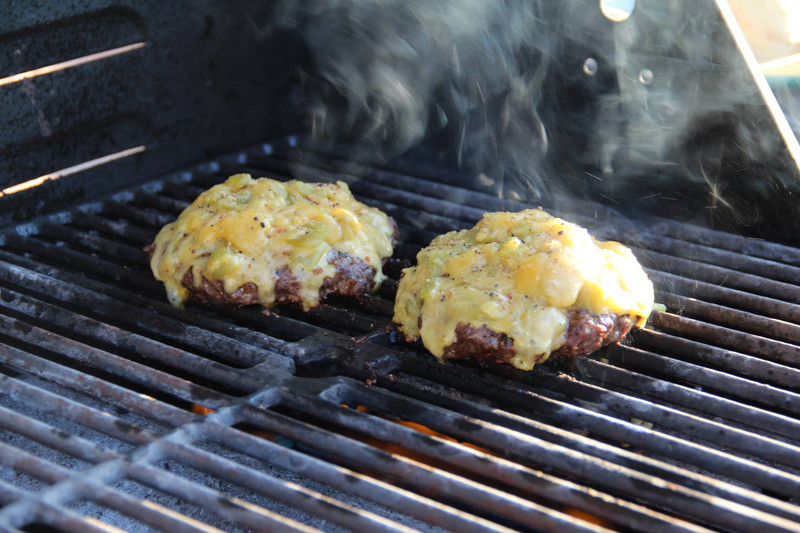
{"x": 353, "y": 278}
{"x": 586, "y": 333}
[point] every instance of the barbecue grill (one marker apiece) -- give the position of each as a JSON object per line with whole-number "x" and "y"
{"x": 120, "y": 412}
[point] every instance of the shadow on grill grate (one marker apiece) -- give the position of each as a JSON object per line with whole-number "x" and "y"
{"x": 117, "y": 408}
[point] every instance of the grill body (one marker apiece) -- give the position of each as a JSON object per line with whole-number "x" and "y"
{"x": 120, "y": 411}
{"x": 328, "y": 419}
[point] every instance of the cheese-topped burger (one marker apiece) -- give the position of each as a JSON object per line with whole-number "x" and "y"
{"x": 267, "y": 242}
{"x": 519, "y": 287}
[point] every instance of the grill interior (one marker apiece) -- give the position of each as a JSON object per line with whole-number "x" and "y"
{"x": 116, "y": 408}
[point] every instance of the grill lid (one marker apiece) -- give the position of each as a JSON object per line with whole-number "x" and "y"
{"x": 116, "y": 408}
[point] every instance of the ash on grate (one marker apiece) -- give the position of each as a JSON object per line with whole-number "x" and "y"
{"x": 174, "y": 504}
{"x": 41, "y": 413}
{"x": 109, "y": 516}
{"x": 292, "y": 477}
{"x": 232, "y": 490}
{"x": 20, "y": 480}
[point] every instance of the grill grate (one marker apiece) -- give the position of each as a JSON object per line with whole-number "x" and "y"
{"x": 326, "y": 421}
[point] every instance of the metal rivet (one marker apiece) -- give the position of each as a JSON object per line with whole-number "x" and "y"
{"x": 617, "y": 10}
{"x": 590, "y": 66}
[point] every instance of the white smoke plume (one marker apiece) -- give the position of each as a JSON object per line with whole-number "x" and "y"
{"x": 469, "y": 71}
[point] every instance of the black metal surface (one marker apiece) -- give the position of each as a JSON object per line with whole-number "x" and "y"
{"x": 186, "y": 56}
{"x": 194, "y": 79}
{"x": 327, "y": 421}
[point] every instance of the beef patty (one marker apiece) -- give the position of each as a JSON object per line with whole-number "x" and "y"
{"x": 585, "y": 334}
{"x": 262, "y": 241}
{"x": 520, "y": 287}
{"x": 353, "y": 278}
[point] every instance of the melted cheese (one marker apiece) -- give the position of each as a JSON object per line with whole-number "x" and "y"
{"x": 244, "y": 230}
{"x": 519, "y": 274}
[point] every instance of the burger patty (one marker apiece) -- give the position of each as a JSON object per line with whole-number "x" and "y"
{"x": 520, "y": 287}
{"x": 585, "y": 334}
{"x": 261, "y": 241}
{"x": 353, "y": 278}
{"x": 588, "y": 332}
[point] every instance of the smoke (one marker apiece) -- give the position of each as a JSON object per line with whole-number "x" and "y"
{"x": 667, "y": 121}
{"x": 688, "y": 133}
{"x": 468, "y": 73}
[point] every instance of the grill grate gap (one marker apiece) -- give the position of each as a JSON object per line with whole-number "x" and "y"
{"x": 40, "y": 527}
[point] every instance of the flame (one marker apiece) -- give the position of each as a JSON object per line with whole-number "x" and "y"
{"x": 200, "y": 410}
{"x": 399, "y": 450}
{"x": 587, "y": 517}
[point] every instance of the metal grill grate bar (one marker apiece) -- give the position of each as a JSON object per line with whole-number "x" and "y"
{"x": 242, "y": 346}
{"x": 733, "y": 362}
{"x": 118, "y": 366}
{"x": 557, "y": 407}
{"x": 481, "y": 464}
{"x": 152, "y": 514}
{"x": 764, "y": 268}
{"x": 727, "y": 241}
{"x": 721, "y": 276}
{"x": 585, "y": 459}
{"x": 669, "y": 283}
{"x": 393, "y": 466}
{"x": 123, "y": 341}
{"x": 721, "y": 383}
{"x": 607, "y": 375}
{"x": 234, "y": 510}
{"x": 734, "y": 318}
{"x": 82, "y": 218}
